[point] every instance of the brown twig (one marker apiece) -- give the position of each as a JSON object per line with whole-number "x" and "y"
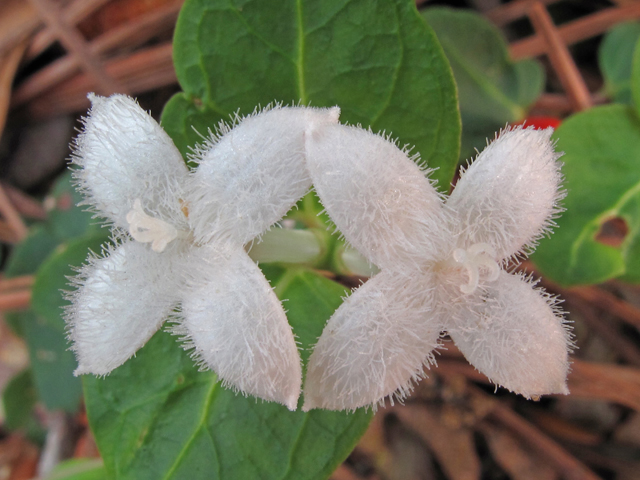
{"x": 570, "y": 467}
{"x": 131, "y": 34}
{"x": 76, "y": 44}
{"x": 609, "y": 302}
{"x": 560, "y": 104}
{"x": 12, "y": 217}
{"x": 15, "y": 283}
{"x": 142, "y": 71}
{"x": 8, "y": 67}
{"x": 574, "y": 32}
{"x": 623, "y": 347}
{"x": 25, "y": 205}
{"x": 16, "y": 300}
{"x": 560, "y": 57}
{"x": 73, "y": 14}
{"x": 505, "y": 14}
{"x": 7, "y": 235}
{"x": 586, "y": 380}
{"x": 615, "y": 383}
{"x": 18, "y": 21}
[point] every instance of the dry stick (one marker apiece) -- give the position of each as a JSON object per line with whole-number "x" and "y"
{"x": 142, "y": 71}
{"x": 7, "y": 235}
{"x": 574, "y": 32}
{"x": 18, "y": 21}
{"x": 623, "y": 347}
{"x": 17, "y": 300}
{"x": 75, "y": 43}
{"x": 8, "y": 67}
{"x": 73, "y": 14}
{"x": 570, "y": 467}
{"x": 24, "y": 281}
{"x": 12, "y": 217}
{"x": 25, "y": 205}
{"x": 505, "y": 14}
{"x": 560, "y": 57}
{"x": 613, "y": 383}
{"x": 561, "y": 104}
{"x": 131, "y": 34}
{"x": 593, "y": 295}
{"x": 607, "y": 301}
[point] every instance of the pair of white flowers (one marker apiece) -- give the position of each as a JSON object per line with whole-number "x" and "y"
{"x": 179, "y": 254}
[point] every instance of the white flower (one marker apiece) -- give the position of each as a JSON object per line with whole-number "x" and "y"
{"x": 179, "y": 242}
{"x": 441, "y": 263}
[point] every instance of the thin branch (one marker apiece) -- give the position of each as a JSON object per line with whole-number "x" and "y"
{"x": 12, "y": 216}
{"x": 560, "y": 57}
{"x": 607, "y": 301}
{"x": 578, "y": 30}
{"x": 621, "y": 345}
{"x": 24, "y": 281}
{"x": 131, "y": 34}
{"x": 8, "y": 66}
{"x": 18, "y": 21}
{"x": 560, "y": 104}
{"x": 140, "y": 72}
{"x": 16, "y": 300}
{"x": 73, "y": 14}
{"x": 76, "y": 44}
{"x": 25, "y": 205}
{"x": 569, "y": 466}
{"x": 505, "y": 14}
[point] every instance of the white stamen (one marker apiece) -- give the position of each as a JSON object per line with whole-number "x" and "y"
{"x": 146, "y": 229}
{"x": 476, "y": 256}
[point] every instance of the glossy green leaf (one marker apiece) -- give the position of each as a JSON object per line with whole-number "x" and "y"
{"x": 377, "y": 60}
{"x": 635, "y": 77}
{"x": 67, "y": 220}
{"x": 615, "y": 58}
{"x": 157, "y": 417}
{"x": 602, "y": 147}
{"x": 18, "y": 399}
{"x": 79, "y": 469}
{"x": 44, "y": 327}
{"x": 25, "y": 259}
{"x": 493, "y": 90}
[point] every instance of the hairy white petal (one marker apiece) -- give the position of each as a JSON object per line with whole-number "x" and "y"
{"x": 377, "y": 196}
{"x": 121, "y": 302}
{"x": 237, "y": 326}
{"x": 123, "y": 154}
{"x": 250, "y": 176}
{"x": 376, "y": 344}
{"x": 509, "y": 195}
{"x": 514, "y": 334}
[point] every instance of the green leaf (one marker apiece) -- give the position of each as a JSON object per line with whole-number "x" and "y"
{"x": 27, "y": 255}
{"x": 615, "y": 58}
{"x": 602, "y": 147}
{"x": 157, "y": 417}
{"x": 18, "y": 398}
{"x": 79, "y": 469}
{"x": 67, "y": 220}
{"x": 635, "y": 77}
{"x": 25, "y": 259}
{"x": 492, "y": 89}
{"x": 378, "y": 61}
{"x": 45, "y": 331}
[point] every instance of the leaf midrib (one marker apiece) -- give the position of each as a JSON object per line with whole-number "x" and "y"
{"x": 201, "y": 424}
